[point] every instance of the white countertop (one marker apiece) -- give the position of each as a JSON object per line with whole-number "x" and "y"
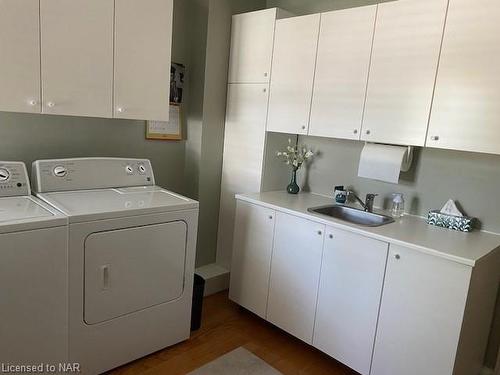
{"x": 409, "y": 231}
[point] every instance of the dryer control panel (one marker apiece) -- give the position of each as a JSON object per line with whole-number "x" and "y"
{"x": 13, "y": 179}
{"x": 90, "y": 173}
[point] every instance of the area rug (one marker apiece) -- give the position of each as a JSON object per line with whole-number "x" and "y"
{"x": 238, "y": 362}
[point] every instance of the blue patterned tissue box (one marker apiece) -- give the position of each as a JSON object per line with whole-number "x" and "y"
{"x": 459, "y": 223}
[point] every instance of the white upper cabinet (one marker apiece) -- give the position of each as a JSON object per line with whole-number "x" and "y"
{"x": 345, "y": 42}
{"x": 77, "y": 57}
{"x": 295, "y": 269}
{"x": 292, "y": 75}
{"x": 421, "y": 314}
{"x": 352, "y": 275}
{"x": 19, "y": 56}
{"x": 466, "y": 110}
{"x": 405, "y": 56}
{"x": 143, "y": 40}
{"x": 252, "y": 38}
{"x": 251, "y": 261}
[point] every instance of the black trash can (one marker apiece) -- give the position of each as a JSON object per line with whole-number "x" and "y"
{"x": 196, "y": 309}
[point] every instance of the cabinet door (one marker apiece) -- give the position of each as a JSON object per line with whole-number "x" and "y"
{"x": 252, "y": 37}
{"x": 421, "y": 314}
{"x": 77, "y": 57}
{"x": 143, "y": 41}
{"x": 345, "y": 43}
{"x": 251, "y": 263}
{"x": 19, "y": 56}
{"x": 403, "y": 69}
{"x": 295, "y": 269}
{"x": 352, "y": 275}
{"x": 244, "y": 135}
{"x": 292, "y": 76}
{"x": 466, "y": 110}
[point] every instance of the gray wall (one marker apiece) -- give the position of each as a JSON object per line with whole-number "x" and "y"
{"x": 436, "y": 176}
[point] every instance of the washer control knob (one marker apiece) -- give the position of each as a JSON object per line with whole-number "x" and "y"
{"x": 60, "y": 171}
{"x": 142, "y": 169}
{"x": 129, "y": 169}
{"x": 4, "y": 175}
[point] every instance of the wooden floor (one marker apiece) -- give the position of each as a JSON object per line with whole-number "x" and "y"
{"x": 225, "y": 327}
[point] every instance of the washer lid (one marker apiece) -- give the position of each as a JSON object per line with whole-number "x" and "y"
{"x": 27, "y": 213}
{"x": 90, "y": 205}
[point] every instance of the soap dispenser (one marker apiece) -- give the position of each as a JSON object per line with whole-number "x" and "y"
{"x": 398, "y": 205}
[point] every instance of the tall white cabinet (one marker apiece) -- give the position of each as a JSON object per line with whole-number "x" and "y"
{"x": 466, "y": 110}
{"x": 343, "y": 62}
{"x": 245, "y": 137}
{"x": 403, "y": 70}
{"x": 19, "y": 56}
{"x": 77, "y": 57}
{"x": 252, "y": 41}
{"x": 292, "y": 74}
{"x": 243, "y": 160}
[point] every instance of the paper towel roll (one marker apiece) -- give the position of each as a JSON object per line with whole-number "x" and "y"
{"x": 383, "y": 162}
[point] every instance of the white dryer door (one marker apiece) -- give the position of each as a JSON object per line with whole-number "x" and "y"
{"x": 127, "y": 270}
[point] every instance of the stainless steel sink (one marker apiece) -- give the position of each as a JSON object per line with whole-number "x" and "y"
{"x": 353, "y": 215}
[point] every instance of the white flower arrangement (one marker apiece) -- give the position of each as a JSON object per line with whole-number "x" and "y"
{"x": 295, "y": 155}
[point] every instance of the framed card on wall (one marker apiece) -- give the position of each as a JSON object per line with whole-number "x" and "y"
{"x": 171, "y": 130}
{"x": 167, "y": 130}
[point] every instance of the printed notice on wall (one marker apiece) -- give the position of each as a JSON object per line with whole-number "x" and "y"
{"x": 167, "y": 130}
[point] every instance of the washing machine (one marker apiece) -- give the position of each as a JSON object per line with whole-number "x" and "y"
{"x": 131, "y": 257}
{"x": 33, "y": 277}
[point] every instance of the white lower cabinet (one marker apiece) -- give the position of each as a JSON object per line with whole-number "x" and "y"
{"x": 421, "y": 314}
{"x": 251, "y": 260}
{"x": 352, "y": 275}
{"x": 295, "y": 268}
{"x": 379, "y": 308}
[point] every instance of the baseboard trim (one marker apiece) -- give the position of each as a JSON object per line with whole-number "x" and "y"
{"x": 216, "y": 278}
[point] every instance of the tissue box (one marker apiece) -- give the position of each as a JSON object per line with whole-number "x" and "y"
{"x": 460, "y": 223}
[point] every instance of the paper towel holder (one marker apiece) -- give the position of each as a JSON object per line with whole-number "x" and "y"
{"x": 407, "y": 160}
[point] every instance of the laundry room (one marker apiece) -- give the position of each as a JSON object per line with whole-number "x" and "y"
{"x": 215, "y": 187}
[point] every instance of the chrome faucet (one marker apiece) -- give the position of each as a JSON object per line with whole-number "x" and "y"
{"x": 368, "y": 204}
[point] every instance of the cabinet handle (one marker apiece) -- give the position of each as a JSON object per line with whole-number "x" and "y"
{"x": 435, "y": 138}
{"x": 51, "y": 104}
{"x": 265, "y": 74}
{"x": 120, "y": 110}
{"x": 320, "y": 232}
{"x": 33, "y": 102}
{"x": 330, "y": 236}
{"x": 303, "y": 127}
{"x": 355, "y": 131}
{"x": 264, "y": 90}
{"x": 397, "y": 256}
{"x": 270, "y": 217}
{"x": 105, "y": 277}
{"x": 368, "y": 132}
